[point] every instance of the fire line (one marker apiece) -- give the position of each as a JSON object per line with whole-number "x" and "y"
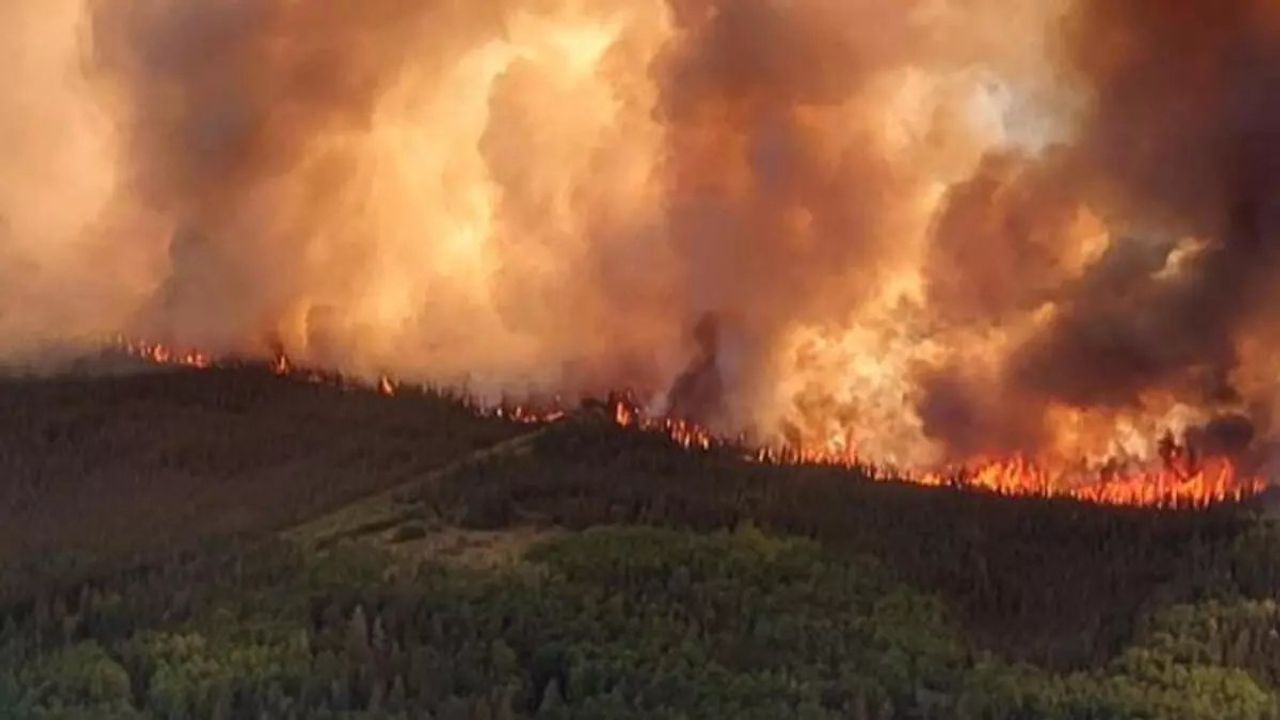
{"x": 1180, "y": 480}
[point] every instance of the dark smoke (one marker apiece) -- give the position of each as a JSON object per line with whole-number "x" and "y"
{"x": 1180, "y": 139}
{"x": 1226, "y": 436}
{"x": 698, "y": 392}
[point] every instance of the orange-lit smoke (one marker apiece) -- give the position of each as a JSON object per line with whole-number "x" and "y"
{"x": 922, "y": 232}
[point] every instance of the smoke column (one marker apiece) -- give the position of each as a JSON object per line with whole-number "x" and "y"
{"x": 927, "y": 230}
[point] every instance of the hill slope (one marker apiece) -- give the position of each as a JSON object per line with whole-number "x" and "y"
{"x": 121, "y": 464}
{"x": 434, "y": 561}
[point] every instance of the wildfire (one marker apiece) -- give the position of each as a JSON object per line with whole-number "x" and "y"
{"x": 685, "y": 434}
{"x": 280, "y": 365}
{"x": 1172, "y": 483}
{"x": 1178, "y": 480}
{"x": 525, "y": 416}
{"x": 164, "y": 355}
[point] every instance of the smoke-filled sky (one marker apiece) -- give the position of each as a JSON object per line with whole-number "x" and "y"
{"x": 929, "y": 229}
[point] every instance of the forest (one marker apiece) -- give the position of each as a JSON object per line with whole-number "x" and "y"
{"x": 245, "y": 546}
{"x": 117, "y": 466}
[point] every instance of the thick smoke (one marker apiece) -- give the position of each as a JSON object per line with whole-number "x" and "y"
{"x": 1180, "y": 141}
{"x": 927, "y": 230}
{"x": 1177, "y": 151}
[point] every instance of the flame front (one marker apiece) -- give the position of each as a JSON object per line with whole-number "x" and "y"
{"x": 1181, "y": 481}
{"x": 1175, "y": 485}
{"x": 163, "y": 354}
{"x": 930, "y": 234}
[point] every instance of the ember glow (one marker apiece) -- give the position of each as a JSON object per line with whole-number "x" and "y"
{"x": 162, "y": 354}
{"x": 1013, "y": 243}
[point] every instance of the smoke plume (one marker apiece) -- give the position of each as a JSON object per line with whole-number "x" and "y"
{"x": 925, "y": 230}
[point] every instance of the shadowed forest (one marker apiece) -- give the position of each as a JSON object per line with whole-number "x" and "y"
{"x": 229, "y": 544}
{"x": 129, "y": 463}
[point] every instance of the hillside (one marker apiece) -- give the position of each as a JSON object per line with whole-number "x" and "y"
{"x": 231, "y": 544}
{"x": 115, "y": 465}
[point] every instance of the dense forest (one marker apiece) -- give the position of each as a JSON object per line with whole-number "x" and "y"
{"x": 609, "y": 623}
{"x": 577, "y": 570}
{"x": 1056, "y": 581}
{"x": 124, "y": 464}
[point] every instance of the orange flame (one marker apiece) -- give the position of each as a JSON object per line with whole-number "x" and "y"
{"x": 163, "y": 355}
{"x": 280, "y": 365}
{"x": 1180, "y": 481}
{"x": 688, "y": 435}
{"x": 385, "y": 387}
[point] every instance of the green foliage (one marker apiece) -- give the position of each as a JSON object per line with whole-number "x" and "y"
{"x": 975, "y": 607}
{"x": 1054, "y": 582}
{"x": 608, "y": 623}
{"x": 750, "y": 626}
{"x": 79, "y": 680}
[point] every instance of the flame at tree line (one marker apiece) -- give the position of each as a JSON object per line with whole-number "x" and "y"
{"x": 1028, "y": 242}
{"x": 1179, "y": 481}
